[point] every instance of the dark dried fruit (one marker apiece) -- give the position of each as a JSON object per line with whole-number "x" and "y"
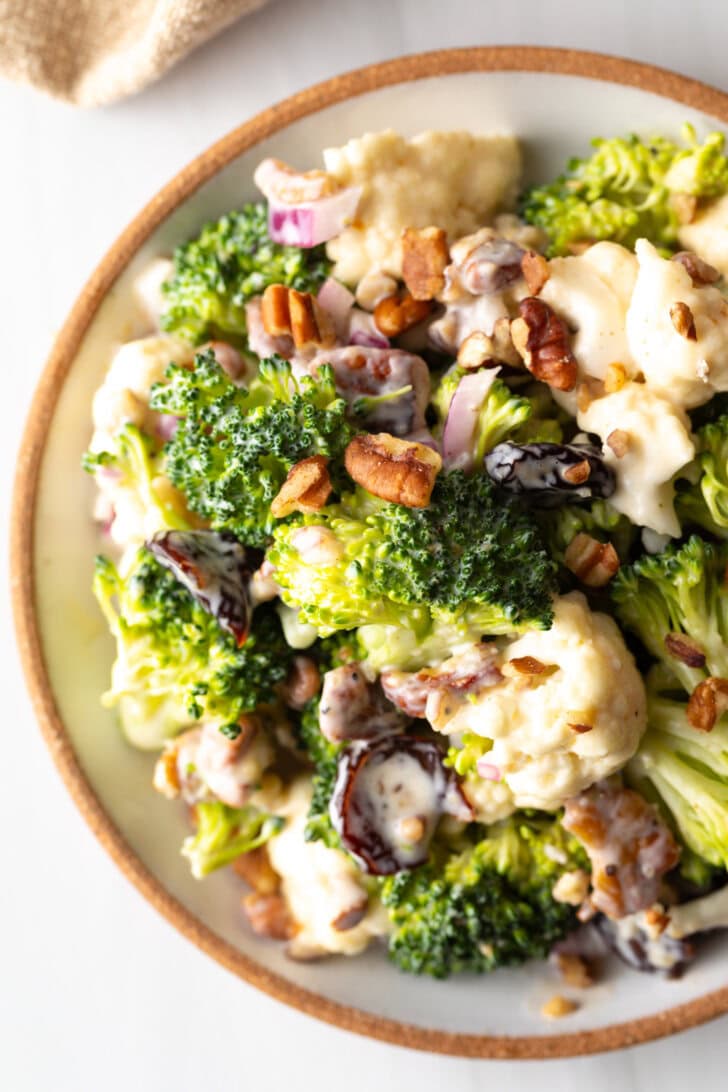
{"x": 381, "y": 786}
{"x": 551, "y": 474}
{"x": 214, "y": 568}
{"x": 632, "y": 942}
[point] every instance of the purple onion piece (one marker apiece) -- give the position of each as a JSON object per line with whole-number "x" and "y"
{"x": 389, "y": 795}
{"x": 214, "y": 569}
{"x": 462, "y": 417}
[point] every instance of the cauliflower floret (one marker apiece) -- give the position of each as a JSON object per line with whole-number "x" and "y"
{"x": 657, "y": 435}
{"x": 591, "y": 293}
{"x": 687, "y": 371}
{"x": 455, "y": 180}
{"x": 539, "y": 757}
{"x": 707, "y": 234}
{"x": 147, "y": 291}
{"x": 321, "y": 887}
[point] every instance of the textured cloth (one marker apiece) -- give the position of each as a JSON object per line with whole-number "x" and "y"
{"x": 92, "y": 52}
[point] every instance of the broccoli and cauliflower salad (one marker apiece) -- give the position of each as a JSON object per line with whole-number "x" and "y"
{"x": 414, "y": 504}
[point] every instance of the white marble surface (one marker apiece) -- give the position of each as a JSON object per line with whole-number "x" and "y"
{"x": 97, "y": 992}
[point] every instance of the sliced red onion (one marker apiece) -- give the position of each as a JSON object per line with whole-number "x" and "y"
{"x": 364, "y": 332}
{"x": 337, "y": 301}
{"x": 166, "y": 426}
{"x": 312, "y": 222}
{"x": 228, "y": 357}
{"x": 487, "y": 770}
{"x": 462, "y": 417}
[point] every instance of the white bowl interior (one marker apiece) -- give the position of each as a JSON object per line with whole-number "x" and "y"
{"x": 554, "y": 116}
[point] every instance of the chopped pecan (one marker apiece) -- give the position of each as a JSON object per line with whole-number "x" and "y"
{"x": 285, "y": 311}
{"x": 542, "y": 339}
{"x": 615, "y": 378}
{"x": 255, "y": 868}
{"x": 578, "y": 473}
{"x": 708, "y": 702}
{"x": 479, "y": 349}
{"x": 424, "y": 257}
{"x": 535, "y": 271}
{"x": 592, "y": 562}
{"x": 571, "y": 887}
{"x": 166, "y": 775}
{"x": 269, "y": 916}
{"x": 396, "y": 470}
{"x": 557, "y": 1007}
{"x": 528, "y": 665}
{"x": 685, "y": 649}
{"x": 306, "y": 488}
{"x": 303, "y": 682}
{"x": 574, "y": 969}
{"x": 618, "y": 441}
{"x": 395, "y": 314}
{"x": 682, "y": 319}
{"x": 701, "y": 272}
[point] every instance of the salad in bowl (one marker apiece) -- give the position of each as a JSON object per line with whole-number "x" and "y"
{"x": 413, "y": 509}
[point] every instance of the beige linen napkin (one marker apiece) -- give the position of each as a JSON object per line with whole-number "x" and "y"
{"x": 92, "y": 52}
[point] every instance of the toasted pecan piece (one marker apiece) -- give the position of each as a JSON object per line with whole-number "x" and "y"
{"x": 396, "y": 470}
{"x": 287, "y": 312}
{"x": 683, "y": 321}
{"x": 535, "y": 270}
{"x": 701, "y": 272}
{"x": 615, "y": 378}
{"x": 425, "y": 255}
{"x": 479, "y": 349}
{"x": 707, "y": 703}
{"x": 557, "y": 1007}
{"x": 306, "y": 489}
{"x": 255, "y": 868}
{"x": 542, "y": 339}
{"x": 269, "y": 916}
{"x": 395, "y": 314}
{"x": 618, "y": 441}
{"x": 591, "y": 561}
{"x": 528, "y": 665}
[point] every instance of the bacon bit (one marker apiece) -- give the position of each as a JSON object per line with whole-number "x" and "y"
{"x": 682, "y": 319}
{"x": 615, "y": 378}
{"x": 166, "y": 775}
{"x": 701, "y": 272}
{"x": 579, "y": 473}
{"x": 708, "y": 702}
{"x": 557, "y": 1007}
{"x": 529, "y": 665}
{"x": 592, "y": 562}
{"x": 618, "y": 441}
{"x": 574, "y": 970}
{"x": 535, "y": 271}
{"x": 685, "y": 649}
{"x": 581, "y": 729}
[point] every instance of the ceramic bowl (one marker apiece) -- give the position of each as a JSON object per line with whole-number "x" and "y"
{"x": 554, "y": 101}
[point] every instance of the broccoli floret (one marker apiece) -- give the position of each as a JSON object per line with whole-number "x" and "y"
{"x": 688, "y": 772}
{"x": 224, "y": 833}
{"x": 680, "y": 591}
{"x": 470, "y": 559}
{"x": 500, "y": 415}
{"x": 174, "y": 663}
{"x": 705, "y": 502}
{"x": 231, "y": 260}
{"x": 136, "y": 461}
{"x": 489, "y": 905}
{"x": 234, "y": 446}
{"x": 624, "y": 191}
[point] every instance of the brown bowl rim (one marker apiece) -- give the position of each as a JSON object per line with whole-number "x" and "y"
{"x": 372, "y": 77}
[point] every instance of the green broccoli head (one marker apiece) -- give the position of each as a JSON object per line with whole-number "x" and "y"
{"x": 175, "y": 664}
{"x": 486, "y": 906}
{"x": 234, "y": 446}
{"x": 705, "y": 501}
{"x": 681, "y": 591}
{"x": 224, "y": 833}
{"x": 231, "y": 260}
{"x": 470, "y": 559}
{"x": 625, "y": 191}
{"x": 686, "y": 771}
